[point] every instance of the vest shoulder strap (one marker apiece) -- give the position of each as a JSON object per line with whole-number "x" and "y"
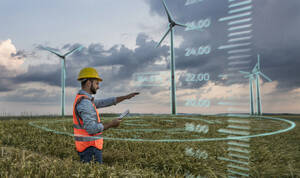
{"x": 75, "y": 108}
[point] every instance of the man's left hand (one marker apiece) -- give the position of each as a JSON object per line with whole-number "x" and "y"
{"x": 131, "y": 95}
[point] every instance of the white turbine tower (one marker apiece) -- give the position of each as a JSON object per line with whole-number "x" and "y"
{"x": 251, "y": 78}
{"x": 172, "y": 23}
{"x": 63, "y": 74}
{"x": 256, "y": 71}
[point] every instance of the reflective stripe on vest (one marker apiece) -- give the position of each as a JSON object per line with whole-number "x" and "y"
{"x": 82, "y": 138}
{"x": 86, "y": 139}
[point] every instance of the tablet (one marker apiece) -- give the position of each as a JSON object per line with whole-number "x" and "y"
{"x": 124, "y": 114}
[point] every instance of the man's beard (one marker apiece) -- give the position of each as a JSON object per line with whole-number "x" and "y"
{"x": 93, "y": 90}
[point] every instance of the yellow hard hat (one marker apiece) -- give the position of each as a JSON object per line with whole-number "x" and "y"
{"x": 88, "y": 72}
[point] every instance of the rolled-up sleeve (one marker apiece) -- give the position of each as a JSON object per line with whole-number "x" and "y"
{"x": 89, "y": 117}
{"x": 101, "y": 103}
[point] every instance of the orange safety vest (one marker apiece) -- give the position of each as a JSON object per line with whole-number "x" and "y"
{"x": 83, "y": 139}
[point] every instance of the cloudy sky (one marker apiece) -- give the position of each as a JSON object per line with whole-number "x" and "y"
{"x": 119, "y": 39}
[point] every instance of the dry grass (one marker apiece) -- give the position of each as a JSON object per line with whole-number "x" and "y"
{"x": 27, "y": 151}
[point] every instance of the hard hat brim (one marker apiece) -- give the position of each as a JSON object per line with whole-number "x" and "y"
{"x": 99, "y": 79}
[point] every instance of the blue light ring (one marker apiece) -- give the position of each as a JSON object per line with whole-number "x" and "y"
{"x": 293, "y": 125}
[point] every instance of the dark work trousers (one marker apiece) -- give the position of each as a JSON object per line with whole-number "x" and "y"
{"x": 88, "y": 154}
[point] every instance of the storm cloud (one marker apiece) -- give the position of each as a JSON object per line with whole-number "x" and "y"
{"x": 116, "y": 64}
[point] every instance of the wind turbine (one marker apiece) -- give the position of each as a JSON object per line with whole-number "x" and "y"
{"x": 172, "y": 24}
{"x": 256, "y": 71}
{"x": 251, "y": 78}
{"x": 63, "y": 74}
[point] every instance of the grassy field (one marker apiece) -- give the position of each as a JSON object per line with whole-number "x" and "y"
{"x": 148, "y": 146}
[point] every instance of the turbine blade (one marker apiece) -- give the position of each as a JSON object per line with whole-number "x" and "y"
{"x": 167, "y": 11}
{"x": 254, "y": 68}
{"x": 163, "y": 37}
{"x": 258, "y": 61}
{"x": 73, "y": 50}
{"x": 243, "y": 72}
{"x": 181, "y": 25}
{"x": 57, "y": 54}
{"x": 248, "y": 76}
{"x": 266, "y": 77}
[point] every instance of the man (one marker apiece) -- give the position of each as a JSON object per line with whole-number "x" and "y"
{"x": 88, "y": 127}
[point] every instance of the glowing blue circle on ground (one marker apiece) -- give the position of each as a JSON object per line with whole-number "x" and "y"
{"x": 292, "y": 126}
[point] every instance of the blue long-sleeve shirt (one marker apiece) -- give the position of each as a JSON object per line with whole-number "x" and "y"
{"x": 88, "y": 113}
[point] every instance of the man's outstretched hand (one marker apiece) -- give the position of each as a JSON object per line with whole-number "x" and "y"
{"x": 121, "y": 98}
{"x": 132, "y": 95}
